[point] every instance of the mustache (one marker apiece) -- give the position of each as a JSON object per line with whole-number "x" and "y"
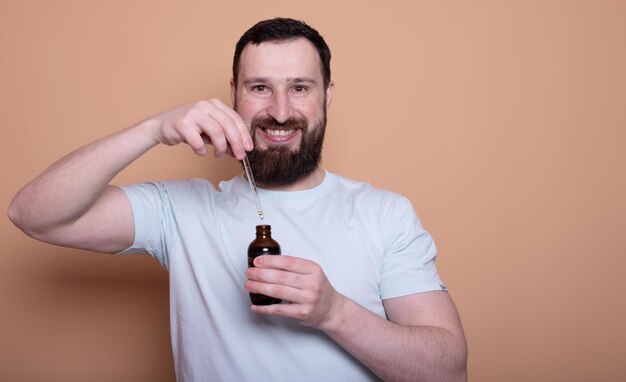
{"x": 266, "y": 122}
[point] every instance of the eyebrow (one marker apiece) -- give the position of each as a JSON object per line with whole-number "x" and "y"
{"x": 298, "y": 80}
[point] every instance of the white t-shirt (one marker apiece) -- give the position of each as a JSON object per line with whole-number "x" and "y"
{"x": 369, "y": 242}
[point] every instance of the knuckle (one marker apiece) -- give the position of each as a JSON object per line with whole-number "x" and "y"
{"x": 282, "y": 278}
{"x": 274, "y": 291}
{"x": 181, "y": 124}
{"x": 217, "y": 131}
{"x": 306, "y": 311}
{"x": 310, "y": 297}
{"x": 315, "y": 288}
{"x": 200, "y": 105}
{"x": 289, "y": 261}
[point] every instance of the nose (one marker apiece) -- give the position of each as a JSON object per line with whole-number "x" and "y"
{"x": 280, "y": 107}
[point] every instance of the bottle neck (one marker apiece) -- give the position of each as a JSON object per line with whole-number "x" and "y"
{"x": 264, "y": 231}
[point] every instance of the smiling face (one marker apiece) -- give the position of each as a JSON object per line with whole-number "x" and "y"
{"x": 280, "y": 95}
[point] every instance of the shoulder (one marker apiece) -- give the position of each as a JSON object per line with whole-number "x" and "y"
{"x": 169, "y": 190}
{"x": 392, "y": 212}
{"x": 378, "y": 197}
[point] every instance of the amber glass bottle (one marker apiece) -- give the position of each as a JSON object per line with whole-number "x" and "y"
{"x": 263, "y": 244}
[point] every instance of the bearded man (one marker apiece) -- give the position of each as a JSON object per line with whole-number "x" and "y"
{"x": 362, "y": 299}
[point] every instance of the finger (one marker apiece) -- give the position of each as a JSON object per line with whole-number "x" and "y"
{"x": 190, "y": 132}
{"x": 283, "y": 310}
{"x": 231, "y": 125}
{"x": 279, "y": 277}
{"x": 207, "y": 141}
{"x": 244, "y": 129}
{"x": 222, "y": 133}
{"x": 282, "y": 292}
{"x": 287, "y": 263}
{"x": 214, "y": 134}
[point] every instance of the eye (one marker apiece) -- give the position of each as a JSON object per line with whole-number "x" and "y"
{"x": 300, "y": 88}
{"x": 260, "y": 89}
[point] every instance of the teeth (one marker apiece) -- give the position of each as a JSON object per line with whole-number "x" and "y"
{"x": 279, "y": 132}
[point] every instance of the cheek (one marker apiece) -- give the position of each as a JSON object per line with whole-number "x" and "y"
{"x": 313, "y": 111}
{"x": 247, "y": 109}
{"x": 309, "y": 107}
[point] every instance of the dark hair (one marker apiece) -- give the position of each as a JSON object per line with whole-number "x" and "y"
{"x": 282, "y": 29}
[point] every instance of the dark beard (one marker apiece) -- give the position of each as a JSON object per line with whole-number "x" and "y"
{"x": 280, "y": 165}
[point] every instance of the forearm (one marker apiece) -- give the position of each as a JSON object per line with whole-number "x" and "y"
{"x": 396, "y": 352}
{"x": 69, "y": 187}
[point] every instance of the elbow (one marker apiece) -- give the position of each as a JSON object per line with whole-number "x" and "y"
{"x": 460, "y": 364}
{"x": 17, "y": 215}
{"x": 14, "y": 214}
{"x": 462, "y": 371}
{"x": 453, "y": 366}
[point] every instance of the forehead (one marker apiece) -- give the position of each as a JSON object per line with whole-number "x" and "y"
{"x": 280, "y": 59}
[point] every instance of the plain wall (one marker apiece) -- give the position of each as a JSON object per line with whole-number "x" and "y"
{"x": 502, "y": 121}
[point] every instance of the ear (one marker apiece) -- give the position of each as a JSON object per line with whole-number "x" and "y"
{"x": 329, "y": 92}
{"x": 233, "y": 92}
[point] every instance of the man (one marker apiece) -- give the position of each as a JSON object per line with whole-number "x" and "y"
{"x": 362, "y": 298}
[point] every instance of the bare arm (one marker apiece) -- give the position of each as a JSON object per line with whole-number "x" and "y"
{"x": 72, "y": 203}
{"x": 423, "y": 339}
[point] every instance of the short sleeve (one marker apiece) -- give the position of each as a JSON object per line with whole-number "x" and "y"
{"x": 409, "y": 253}
{"x": 152, "y": 213}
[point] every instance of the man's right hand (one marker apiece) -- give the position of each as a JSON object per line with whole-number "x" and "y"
{"x": 201, "y": 123}
{"x": 72, "y": 204}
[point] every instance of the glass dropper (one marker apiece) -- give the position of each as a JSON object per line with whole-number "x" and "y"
{"x": 255, "y": 194}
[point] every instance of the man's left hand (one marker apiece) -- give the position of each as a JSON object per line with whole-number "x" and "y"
{"x": 302, "y": 285}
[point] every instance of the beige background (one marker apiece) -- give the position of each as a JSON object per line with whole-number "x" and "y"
{"x": 503, "y": 121}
